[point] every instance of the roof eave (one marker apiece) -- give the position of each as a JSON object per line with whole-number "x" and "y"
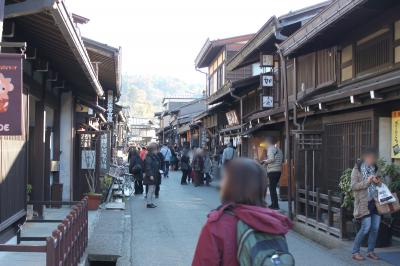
{"x": 66, "y": 25}
{"x": 317, "y": 24}
{"x": 264, "y": 34}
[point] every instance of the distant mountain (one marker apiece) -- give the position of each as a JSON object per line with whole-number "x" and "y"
{"x": 144, "y": 93}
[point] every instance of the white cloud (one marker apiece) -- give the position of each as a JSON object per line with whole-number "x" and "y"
{"x": 163, "y": 37}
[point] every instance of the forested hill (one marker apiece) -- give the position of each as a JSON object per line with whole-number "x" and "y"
{"x": 145, "y": 93}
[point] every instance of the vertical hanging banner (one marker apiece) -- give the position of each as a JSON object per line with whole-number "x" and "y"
{"x": 110, "y": 106}
{"x": 396, "y": 135}
{"x": 11, "y": 94}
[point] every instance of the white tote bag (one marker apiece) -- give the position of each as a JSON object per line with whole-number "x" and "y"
{"x": 384, "y": 195}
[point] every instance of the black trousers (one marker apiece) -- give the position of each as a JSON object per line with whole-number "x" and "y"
{"x": 139, "y": 186}
{"x": 273, "y": 184}
{"x": 184, "y": 176}
{"x": 208, "y": 179}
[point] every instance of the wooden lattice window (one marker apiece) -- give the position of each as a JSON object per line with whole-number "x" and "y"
{"x": 373, "y": 51}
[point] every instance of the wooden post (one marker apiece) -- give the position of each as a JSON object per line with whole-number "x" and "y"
{"x": 318, "y": 206}
{"x": 330, "y": 218}
{"x": 343, "y": 231}
{"x": 39, "y": 157}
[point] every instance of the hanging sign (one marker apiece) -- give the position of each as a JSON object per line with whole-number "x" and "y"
{"x": 232, "y": 118}
{"x": 110, "y": 106}
{"x": 267, "y": 101}
{"x": 396, "y": 134}
{"x": 11, "y": 94}
{"x": 267, "y": 81}
{"x": 267, "y": 60}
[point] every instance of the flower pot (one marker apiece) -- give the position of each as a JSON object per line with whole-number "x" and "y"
{"x": 94, "y": 201}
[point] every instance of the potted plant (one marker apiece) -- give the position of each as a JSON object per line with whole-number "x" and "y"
{"x": 393, "y": 172}
{"x": 94, "y": 198}
{"x": 28, "y": 192}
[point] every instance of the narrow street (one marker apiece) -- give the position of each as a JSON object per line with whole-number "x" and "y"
{"x": 167, "y": 235}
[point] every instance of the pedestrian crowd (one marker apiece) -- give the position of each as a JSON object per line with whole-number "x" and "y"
{"x": 244, "y": 230}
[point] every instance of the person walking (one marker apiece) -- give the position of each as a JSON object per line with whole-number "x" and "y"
{"x": 185, "y": 166}
{"x": 152, "y": 170}
{"x": 167, "y": 154}
{"x": 198, "y": 167}
{"x": 143, "y": 153}
{"x": 274, "y": 169}
{"x": 207, "y": 166}
{"x": 242, "y": 207}
{"x": 136, "y": 169}
{"x": 364, "y": 182}
{"x": 229, "y": 153}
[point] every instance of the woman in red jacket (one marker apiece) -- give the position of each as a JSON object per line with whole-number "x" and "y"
{"x": 243, "y": 192}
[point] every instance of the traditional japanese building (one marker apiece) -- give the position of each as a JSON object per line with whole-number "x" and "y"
{"x": 222, "y": 120}
{"x": 60, "y": 81}
{"x": 343, "y": 83}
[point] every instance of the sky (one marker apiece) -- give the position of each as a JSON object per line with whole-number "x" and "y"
{"x": 163, "y": 37}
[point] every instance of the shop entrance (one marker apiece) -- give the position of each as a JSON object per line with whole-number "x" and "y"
{"x": 93, "y": 153}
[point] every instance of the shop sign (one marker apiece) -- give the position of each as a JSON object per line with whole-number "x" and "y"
{"x": 267, "y": 81}
{"x": 11, "y": 94}
{"x": 232, "y": 118}
{"x": 396, "y": 134}
{"x": 110, "y": 106}
{"x": 267, "y": 60}
{"x": 267, "y": 101}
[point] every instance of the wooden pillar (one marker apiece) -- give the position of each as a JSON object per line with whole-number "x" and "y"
{"x": 38, "y": 161}
{"x": 56, "y": 143}
{"x": 47, "y": 164}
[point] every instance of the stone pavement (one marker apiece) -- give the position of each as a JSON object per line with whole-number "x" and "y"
{"x": 167, "y": 235}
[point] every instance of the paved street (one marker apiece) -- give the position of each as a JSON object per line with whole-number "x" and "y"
{"x": 167, "y": 235}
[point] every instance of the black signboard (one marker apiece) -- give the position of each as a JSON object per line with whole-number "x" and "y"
{"x": 10, "y": 94}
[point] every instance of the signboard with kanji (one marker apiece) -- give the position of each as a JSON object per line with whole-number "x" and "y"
{"x": 267, "y": 81}
{"x": 11, "y": 94}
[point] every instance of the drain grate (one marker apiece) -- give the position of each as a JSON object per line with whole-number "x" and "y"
{"x": 102, "y": 260}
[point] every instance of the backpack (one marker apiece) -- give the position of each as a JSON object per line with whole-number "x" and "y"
{"x": 261, "y": 249}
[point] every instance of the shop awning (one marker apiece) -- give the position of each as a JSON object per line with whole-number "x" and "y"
{"x": 183, "y": 129}
{"x": 91, "y": 104}
{"x": 48, "y": 26}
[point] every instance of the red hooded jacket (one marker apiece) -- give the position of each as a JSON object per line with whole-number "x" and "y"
{"x": 217, "y": 242}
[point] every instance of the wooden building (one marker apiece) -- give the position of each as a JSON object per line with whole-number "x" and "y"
{"x": 222, "y": 120}
{"x": 58, "y": 75}
{"x": 263, "y": 104}
{"x": 342, "y": 70}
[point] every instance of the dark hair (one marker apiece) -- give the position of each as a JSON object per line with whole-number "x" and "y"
{"x": 369, "y": 151}
{"x": 246, "y": 182}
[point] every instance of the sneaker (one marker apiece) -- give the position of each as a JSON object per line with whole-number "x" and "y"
{"x": 358, "y": 257}
{"x": 151, "y": 206}
{"x": 157, "y": 196}
{"x": 372, "y": 256}
{"x": 273, "y": 207}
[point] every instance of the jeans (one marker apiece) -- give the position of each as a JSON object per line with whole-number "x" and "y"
{"x": 150, "y": 194}
{"x": 273, "y": 184}
{"x": 157, "y": 190}
{"x": 369, "y": 224}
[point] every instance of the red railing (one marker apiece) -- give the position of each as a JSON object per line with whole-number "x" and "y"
{"x": 67, "y": 243}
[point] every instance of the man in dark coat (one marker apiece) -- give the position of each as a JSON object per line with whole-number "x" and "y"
{"x": 152, "y": 173}
{"x": 136, "y": 169}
